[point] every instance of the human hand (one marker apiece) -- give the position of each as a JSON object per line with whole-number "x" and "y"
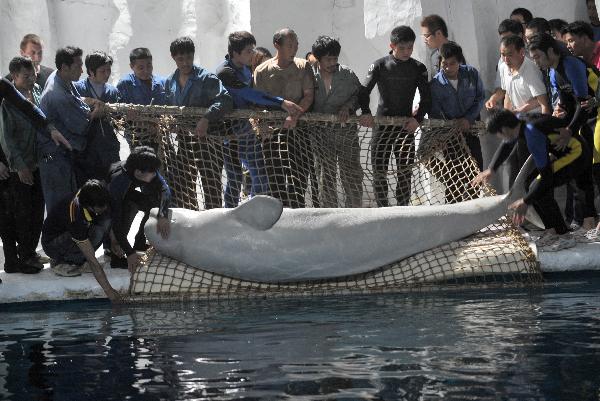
{"x": 290, "y": 122}
{"x": 519, "y": 209}
{"x": 59, "y": 139}
{"x": 25, "y": 176}
{"x": 482, "y": 178}
{"x": 462, "y": 124}
{"x": 202, "y": 128}
{"x": 133, "y": 261}
{"x": 163, "y": 227}
{"x": 343, "y": 115}
{"x": 564, "y": 136}
{"x": 292, "y": 108}
{"x": 366, "y": 120}
{"x": 411, "y": 125}
{"x": 559, "y": 112}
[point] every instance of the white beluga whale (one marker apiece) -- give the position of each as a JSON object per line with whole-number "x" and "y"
{"x": 261, "y": 241}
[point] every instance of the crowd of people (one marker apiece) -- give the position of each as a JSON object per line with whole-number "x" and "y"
{"x": 60, "y": 154}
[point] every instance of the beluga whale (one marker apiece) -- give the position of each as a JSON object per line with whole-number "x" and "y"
{"x": 262, "y": 241}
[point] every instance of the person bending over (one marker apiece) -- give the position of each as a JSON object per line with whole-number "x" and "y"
{"x": 554, "y": 167}
{"x": 140, "y": 170}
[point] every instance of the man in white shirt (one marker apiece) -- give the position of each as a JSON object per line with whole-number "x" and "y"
{"x": 520, "y": 79}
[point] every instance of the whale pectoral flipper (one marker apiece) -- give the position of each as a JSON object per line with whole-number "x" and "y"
{"x": 260, "y": 212}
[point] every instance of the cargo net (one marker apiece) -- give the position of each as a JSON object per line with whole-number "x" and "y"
{"x": 320, "y": 163}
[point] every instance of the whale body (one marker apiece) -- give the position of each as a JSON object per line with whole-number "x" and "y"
{"x": 261, "y": 241}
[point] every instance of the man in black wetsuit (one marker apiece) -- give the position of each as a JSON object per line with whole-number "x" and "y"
{"x": 140, "y": 170}
{"x": 397, "y": 77}
{"x": 554, "y": 167}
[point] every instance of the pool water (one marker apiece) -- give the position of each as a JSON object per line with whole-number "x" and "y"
{"x": 478, "y": 344}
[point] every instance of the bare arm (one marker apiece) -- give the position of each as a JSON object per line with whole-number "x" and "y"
{"x": 90, "y": 255}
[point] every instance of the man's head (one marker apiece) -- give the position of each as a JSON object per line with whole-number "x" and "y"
{"x": 68, "y": 62}
{"x": 556, "y": 27}
{"x": 434, "y": 31}
{"x": 592, "y": 12}
{"x": 32, "y": 47}
{"x": 451, "y": 57}
{"x": 310, "y": 57}
{"x": 94, "y": 196}
{"x": 579, "y": 37}
{"x": 327, "y": 51}
{"x": 182, "y": 51}
{"x": 522, "y": 15}
{"x": 140, "y": 61}
{"x": 535, "y": 26}
{"x": 512, "y": 51}
{"x": 240, "y": 47}
{"x": 504, "y": 123}
{"x": 98, "y": 65}
{"x": 22, "y": 72}
{"x": 544, "y": 51}
{"x": 143, "y": 163}
{"x": 260, "y": 56}
{"x": 402, "y": 40}
{"x": 510, "y": 27}
{"x": 286, "y": 43}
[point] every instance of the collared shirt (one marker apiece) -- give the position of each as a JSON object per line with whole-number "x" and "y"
{"x": 65, "y": 109}
{"x": 18, "y": 136}
{"x": 202, "y": 89}
{"x": 109, "y": 94}
{"x": 524, "y": 84}
{"x": 343, "y": 93}
{"x": 238, "y": 82}
{"x": 288, "y": 83}
{"x": 465, "y": 101}
{"x": 133, "y": 91}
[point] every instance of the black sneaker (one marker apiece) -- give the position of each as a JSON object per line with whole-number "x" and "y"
{"x": 118, "y": 263}
{"x": 35, "y": 262}
{"x": 20, "y": 267}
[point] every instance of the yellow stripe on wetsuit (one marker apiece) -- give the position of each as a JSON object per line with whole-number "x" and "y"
{"x": 574, "y": 152}
{"x": 593, "y": 81}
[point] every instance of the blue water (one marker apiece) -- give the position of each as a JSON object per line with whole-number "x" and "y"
{"x": 511, "y": 344}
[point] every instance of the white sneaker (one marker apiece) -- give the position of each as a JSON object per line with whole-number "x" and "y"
{"x": 581, "y": 236}
{"x": 66, "y": 270}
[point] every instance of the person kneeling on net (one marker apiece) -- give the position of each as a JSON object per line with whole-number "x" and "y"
{"x": 555, "y": 164}
{"x": 74, "y": 229}
{"x": 140, "y": 170}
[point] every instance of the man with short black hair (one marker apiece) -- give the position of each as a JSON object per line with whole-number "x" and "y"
{"x": 435, "y": 34}
{"x": 21, "y": 198}
{"x": 579, "y": 37}
{"x": 336, "y": 92}
{"x": 60, "y": 168}
{"x": 140, "y": 170}
{"x": 521, "y": 15}
{"x": 103, "y": 146}
{"x": 246, "y": 149}
{"x": 556, "y": 27}
{"x": 74, "y": 229}
{"x": 291, "y": 78}
{"x": 535, "y": 26}
{"x": 521, "y": 80}
{"x": 397, "y": 77}
{"x": 193, "y": 86}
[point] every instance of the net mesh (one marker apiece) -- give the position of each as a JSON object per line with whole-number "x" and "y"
{"x": 321, "y": 163}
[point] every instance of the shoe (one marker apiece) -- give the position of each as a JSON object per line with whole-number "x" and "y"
{"x": 581, "y": 235}
{"x": 41, "y": 258}
{"x": 66, "y": 270}
{"x": 546, "y": 239}
{"x": 564, "y": 241}
{"x": 35, "y": 262}
{"x": 118, "y": 263}
{"x": 23, "y": 268}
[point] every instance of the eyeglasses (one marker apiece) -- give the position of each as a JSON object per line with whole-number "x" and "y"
{"x": 427, "y": 35}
